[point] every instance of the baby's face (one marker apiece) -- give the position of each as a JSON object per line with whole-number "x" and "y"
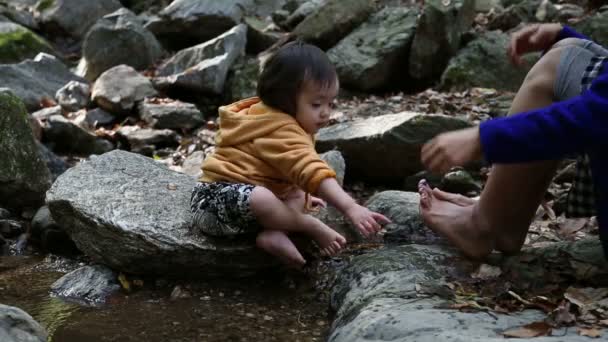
{"x": 314, "y": 105}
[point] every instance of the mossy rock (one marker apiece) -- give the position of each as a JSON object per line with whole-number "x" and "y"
{"x": 484, "y": 63}
{"x": 596, "y": 27}
{"x": 24, "y": 177}
{"x": 17, "y": 43}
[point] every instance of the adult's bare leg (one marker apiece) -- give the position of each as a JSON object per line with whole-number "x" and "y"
{"x": 502, "y": 216}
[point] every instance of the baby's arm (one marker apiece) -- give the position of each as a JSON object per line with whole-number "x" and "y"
{"x": 367, "y": 221}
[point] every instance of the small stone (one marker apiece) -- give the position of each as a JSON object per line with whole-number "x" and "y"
{"x": 268, "y": 318}
{"x": 250, "y": 315}
{"x": 206, "y": 298}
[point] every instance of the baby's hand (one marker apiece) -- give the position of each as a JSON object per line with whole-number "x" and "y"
{"x": 367, "y": 221}
{"x": 317, "y": 202}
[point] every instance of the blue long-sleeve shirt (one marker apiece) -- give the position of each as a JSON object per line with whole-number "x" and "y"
{"x": 577, "y": 125}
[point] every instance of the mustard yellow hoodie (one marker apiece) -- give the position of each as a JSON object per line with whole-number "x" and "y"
{"x": 259, "y": 145}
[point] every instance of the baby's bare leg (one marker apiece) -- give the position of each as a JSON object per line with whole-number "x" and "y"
{"x": 274, "y": 214}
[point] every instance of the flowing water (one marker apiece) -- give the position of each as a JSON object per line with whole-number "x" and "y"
{"x": 271, "y": 307}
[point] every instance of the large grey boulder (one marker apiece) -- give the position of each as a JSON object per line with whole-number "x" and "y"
{"x": 372, "y": 55}
{"x": 204, "y": 67}
{"x": 133, "y": 214}
{"x": 17, "y": 326}
{"x": 484, "y": 63}
{"x": 89, "y": 285}
{"x": 385, "y": 147}
{"x": 186, "y": 23}
{"x": 118, "y": 38}
{"x": 24, "y": 176}
{"x": 35, "y": 79}
{"x": 333, "y": 21}
{"x": 18, "y": 43}
{"x": 73, "y": 17}
{"x": 402, "y": 294}
{"x": 437, "y": 38}
{"x": 119, "y": 89}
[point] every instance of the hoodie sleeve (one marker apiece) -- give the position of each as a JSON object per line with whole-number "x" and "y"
{"x": 291, "y": 151}
{"x": 571, "y": 126}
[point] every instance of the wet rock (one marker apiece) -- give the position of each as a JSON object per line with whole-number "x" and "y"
{"x": 385, "y": 147}
{"x": 17, "y": 326}
{"x": 438, "y": 34}
{"x": 65, "y": 136}
{"x": 400, "y": 294}
{"x": 372, "y": 55}
{"x": 24, "y": 177}
{"x": 332, "y": 21}
{"x": 140, "y": 138}
{"x": 204, "y": 67}
{"x": 120, "y": 88}
{"x": 133, "y": 214}
{"x": 118, "y": 38}
{"x": 335, "y": 160}
{"x": 90, "y": 285}
{"x": 73, "y": 17}
{"x": 49, "y": 235}
{"x": 461, "y": 182}
{"x": 595, "y": 27}
{"x": 186, "y": 23}
{"x": 402, "y": 208}
{"x": 36, "y": 79}
{"x": 18, "y": 43}
{"x": 55, "y": 164}
{"x": 484, "y": 63}
{"x": 172, "y": 115}
{"x": 73, "y": 96}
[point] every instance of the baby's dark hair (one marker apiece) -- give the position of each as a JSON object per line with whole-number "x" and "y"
{"x": 285, "y": 72}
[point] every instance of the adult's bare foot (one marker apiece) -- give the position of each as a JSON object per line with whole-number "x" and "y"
{"x": 457, "y": 199}
{"x": 455, "y": 222}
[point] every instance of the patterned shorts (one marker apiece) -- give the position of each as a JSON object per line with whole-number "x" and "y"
{"x": 221, "y": 209}
{"x": 581, "y": 197}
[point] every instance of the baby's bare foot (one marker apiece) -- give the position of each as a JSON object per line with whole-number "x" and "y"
{"x": 329, "y": 241}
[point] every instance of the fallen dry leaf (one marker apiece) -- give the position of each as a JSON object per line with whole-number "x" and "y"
{"x": 172, "y": 186}
{"x": 592, "y": 332}
{"x": 529, "y": 330}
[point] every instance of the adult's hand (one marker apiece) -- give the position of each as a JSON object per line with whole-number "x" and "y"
{"x": 536, "y": 37}
{"x": 451, "y": 149}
